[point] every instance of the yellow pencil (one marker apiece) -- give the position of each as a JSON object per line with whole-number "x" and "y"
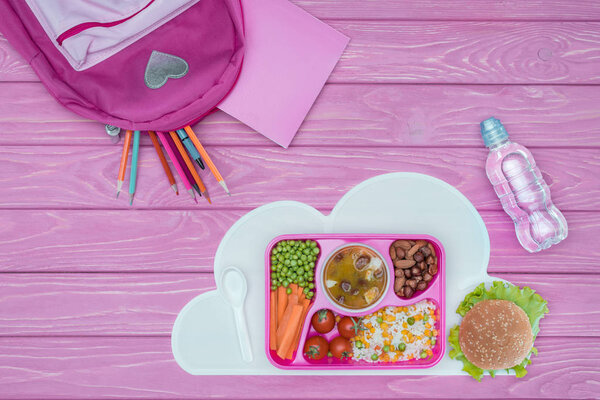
{"x": 206, "y": 157}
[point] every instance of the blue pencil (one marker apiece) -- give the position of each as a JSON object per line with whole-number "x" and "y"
{"x": 189, "y": 146}
{"x": 134, "y": 164}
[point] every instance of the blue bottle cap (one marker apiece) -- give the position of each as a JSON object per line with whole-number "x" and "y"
{"x": 493, "y": 132}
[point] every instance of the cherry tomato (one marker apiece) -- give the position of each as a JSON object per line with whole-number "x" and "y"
{"x": 316, "y": 347}
{"x": 340, "y": 347}
{"x": 323, "y": 321}
{"x": 349, "y": 327}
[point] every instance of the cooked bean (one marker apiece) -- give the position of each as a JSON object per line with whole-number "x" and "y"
{"x": 422, "y": 265}
{"x": 408, "y": 291}
{"x": 418, "y": 257}
{"x": 399, "y": 272}
{"x": 422, "y": 285}
{"x": 433, "y": 269}
{"x": 400, "y": 253}
{"x": 345, "y": 286}
{"x": 401, "y": 279}
{"x": 421, "y": 243}
{"x": 427, "y": 277}
{"x": 425, "y": 251}
{"x": 412, "y": 252}
{"x": 415, "y": 271}
{"x": 404, "y": 263}
{"x": 412, "y": 283}
{"x": 403, "y": 244}
{"x": 407, "y": 273}
{"x": 362, "y": 262}
{"x": 398, "y": 285}
{"x": 430, "y": 260}
{"x": 392, "y": 253}
{"x": 431, "y": 248}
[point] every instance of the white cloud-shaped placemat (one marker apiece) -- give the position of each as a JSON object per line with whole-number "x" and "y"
{"x": 204, "y": 340}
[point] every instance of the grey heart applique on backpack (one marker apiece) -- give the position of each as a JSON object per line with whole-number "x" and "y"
{"x": 161, "y": 67}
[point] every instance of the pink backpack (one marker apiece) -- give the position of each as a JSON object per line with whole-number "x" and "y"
{"x": 136, "y": 64}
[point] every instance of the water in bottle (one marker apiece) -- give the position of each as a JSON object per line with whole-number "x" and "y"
{"x": 524, "y": 194}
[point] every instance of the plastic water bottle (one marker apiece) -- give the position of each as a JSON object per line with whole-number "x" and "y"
{"x": 524, "y": 194}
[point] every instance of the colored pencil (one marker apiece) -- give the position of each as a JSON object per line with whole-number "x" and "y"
{"x": 190, "y": 165}
{"x": 185, "y": 139}
{"x": 134, "y": 164}
{"x": 176, "y": 163}
{"x": 163, "y": 161}
{"x": 123, "y": 165}
{"x": 206, "y": 158}
{"x": 184, "y": 167}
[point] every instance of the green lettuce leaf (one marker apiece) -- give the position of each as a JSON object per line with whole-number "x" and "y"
{"x": 532, "y": 303}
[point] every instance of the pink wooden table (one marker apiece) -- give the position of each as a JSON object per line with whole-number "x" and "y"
{"x": 89, "y": 288}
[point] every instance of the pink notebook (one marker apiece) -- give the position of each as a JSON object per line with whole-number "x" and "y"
{"x": 289, "y": 56}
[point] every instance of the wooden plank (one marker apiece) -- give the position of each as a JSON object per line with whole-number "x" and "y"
{"x": 83, "y": 177}
{"x": 147, "y": 304}
{"x": 447, "y": 52}
{"x": 469, "y": 52}
{"x": 144, "y": 368}
{"x": 581, "y": 10}
{"x": 186, "y": 241}
{"x": 358, "y": 115}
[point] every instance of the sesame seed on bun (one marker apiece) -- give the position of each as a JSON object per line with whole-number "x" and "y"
{"x": 495, "y": 334}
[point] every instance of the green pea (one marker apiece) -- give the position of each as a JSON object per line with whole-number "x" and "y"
{"x": 311, "y": 278}
{"x": 379, "y": 320}
{"x": 284, "y": 270}
{"x": 411, "y": 321}
{"x": 302, "y": 284}
{"x": 310, "y": 295}
{"x": 386, "y": 348}
{"x": 306, "y": 290}
{"x": 300, "y": 278}
{"x": 288, "y": 290}
{"x": 307, "y": 268}
{"x": 316, "y": 250}
{"x": 374, "y": 357}
{"x": 401, "y": 347}
{"x": 294, "y": 263}
{"x": 425, "y": 317}
{"x": 311, "y": 285}
{"x": 423, "y": 354}
{"x": 303, "y": 257}
{"x": 273, "y": 267}
{"x": 286, "y": 283}
{"x": 273, "y": 287}
{"x": 313, "y": 244}
{"x": 287, "y": 261}
{"x": 358, "y": 344}
{"x": 273, "y": 275}
{"x": 311, "y": 264}
{"x": 433, "y": 341}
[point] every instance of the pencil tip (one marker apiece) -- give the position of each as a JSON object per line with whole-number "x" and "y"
{"x": 195, "y": 199}
{"x": 207, "y": 197}
{"x": 177, "y": 193}
{"x": 130, "y": 199}
{"x": 200, "y": 163}
{"x": 224, "y": 185}
{"x": 117, "y": 195}
{"x": 174, "y": 187}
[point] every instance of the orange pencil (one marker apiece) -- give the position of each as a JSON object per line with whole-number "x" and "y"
{"x": 123, "y": 166}
{"x": 163, "y": 161}
{"x": 206, "y": 157}
{"x": 189, "y": 164}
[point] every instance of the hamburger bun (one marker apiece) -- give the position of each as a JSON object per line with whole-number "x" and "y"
{"x": 495, "y": 334}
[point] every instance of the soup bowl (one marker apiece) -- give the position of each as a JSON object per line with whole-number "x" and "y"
{"x": 328, "y": 262}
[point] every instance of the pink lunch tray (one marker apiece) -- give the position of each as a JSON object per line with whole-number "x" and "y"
{"x": 329, "y": 243}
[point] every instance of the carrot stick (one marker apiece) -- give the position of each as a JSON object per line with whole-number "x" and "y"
{"x": 305, "y": 306}
{"x": 290, "y": 330}
{"x": 283, "y": 324}
{"x": 281, "y": 303}
{"x": 273, "y": 323}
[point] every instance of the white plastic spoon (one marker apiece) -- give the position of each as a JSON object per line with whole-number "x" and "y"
{"x": 234, "y": 288}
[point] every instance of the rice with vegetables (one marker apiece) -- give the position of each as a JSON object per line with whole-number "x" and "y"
{"x": 397, "y": 334}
